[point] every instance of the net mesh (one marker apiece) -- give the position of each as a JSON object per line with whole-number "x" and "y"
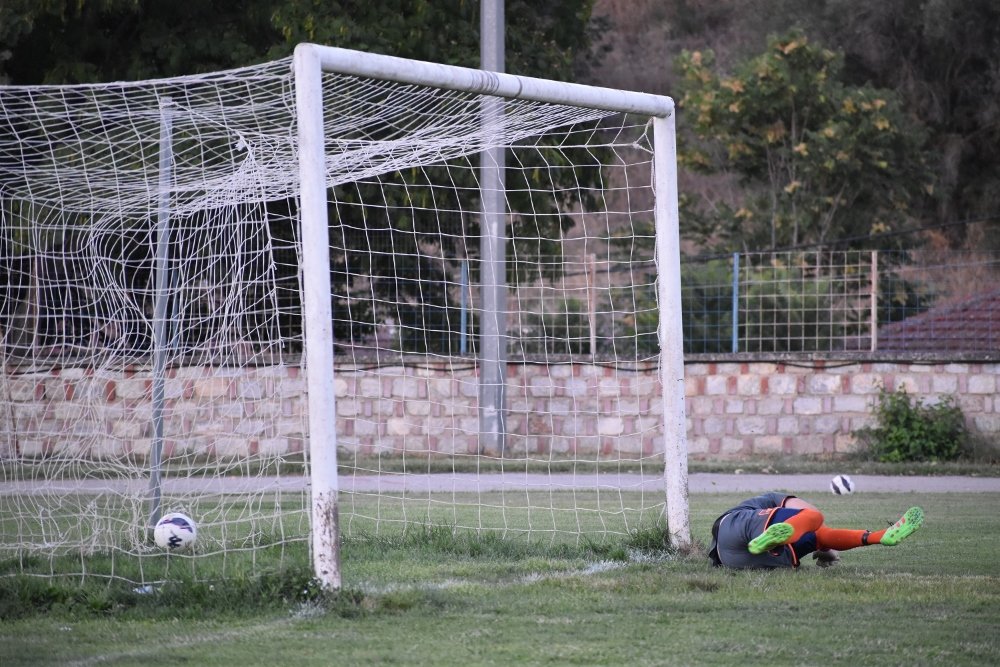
{"x": 180, "y": 194}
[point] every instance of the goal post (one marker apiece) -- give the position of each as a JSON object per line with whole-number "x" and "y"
{"x": 671, "y": 332}
{"x": 257, "y": 297}
{"x": 310, "y": 61}
{"x": 318, "y": 318}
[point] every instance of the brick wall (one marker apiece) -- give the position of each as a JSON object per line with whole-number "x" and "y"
{"x": 216, "y": 413}
{"x": 734, "y": 409}
{"x": 738, "y": 409}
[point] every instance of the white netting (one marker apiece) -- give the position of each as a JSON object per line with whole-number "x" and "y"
{"x": 85, "y": 197}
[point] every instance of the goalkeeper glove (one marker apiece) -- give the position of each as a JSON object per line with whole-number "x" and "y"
{"x": 826, "y": 557}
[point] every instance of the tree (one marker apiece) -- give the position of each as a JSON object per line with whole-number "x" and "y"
{"x": 59, "y": 41}
{"x": 88, "y": 41}
{"x": 943, "y": 58}
{"x": 83, "y": 41}
{"x": 818, "y": 160}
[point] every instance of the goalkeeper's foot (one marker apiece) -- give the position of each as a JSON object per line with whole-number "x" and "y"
{"x": 908, "y": 524}
{"x": 776, "y": 535}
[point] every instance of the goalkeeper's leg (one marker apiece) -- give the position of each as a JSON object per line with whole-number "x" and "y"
{"x": 842, "y": 539}
{"x": 787, "y": 526}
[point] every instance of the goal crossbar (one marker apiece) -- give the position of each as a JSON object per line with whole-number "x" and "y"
{"x": 499, "y": 84}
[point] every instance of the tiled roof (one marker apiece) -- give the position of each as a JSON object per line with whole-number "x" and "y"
{"x": 972, "y": 325}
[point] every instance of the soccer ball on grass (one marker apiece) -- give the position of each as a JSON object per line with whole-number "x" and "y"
{"x": 175, "y": 532}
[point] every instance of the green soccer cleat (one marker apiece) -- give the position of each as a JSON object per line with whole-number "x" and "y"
{"x": 776, "y": 535}
{"x": 908, "y": 524}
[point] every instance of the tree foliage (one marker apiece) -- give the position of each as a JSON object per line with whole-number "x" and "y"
{"x": 89, "y": 41}
{"x": 84, "y": 41}
{"x": 943, "y": 59}
{"x": 409, "y": 253}
{"x": 818, "y": 159}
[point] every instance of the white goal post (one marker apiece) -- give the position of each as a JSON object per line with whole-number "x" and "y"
{"x": 255, "y": 297}
{"x": 310, "y": 61}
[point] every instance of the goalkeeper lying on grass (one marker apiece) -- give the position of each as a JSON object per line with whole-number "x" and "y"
{"x": 777, "y": 530}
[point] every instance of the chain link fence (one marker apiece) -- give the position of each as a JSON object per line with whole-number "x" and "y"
{"x": 873, "y": 301}
{"x": 831, "y": 301}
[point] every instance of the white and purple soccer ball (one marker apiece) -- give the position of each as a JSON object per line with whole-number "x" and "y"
{"x": 842, "y": 485}
{"x": 175, "y": 532}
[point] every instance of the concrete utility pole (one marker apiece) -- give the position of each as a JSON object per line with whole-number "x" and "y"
{"x": 493, "y": 248}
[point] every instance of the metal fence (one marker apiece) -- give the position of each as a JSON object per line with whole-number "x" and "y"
{"x": 603, "y": 309}
{"x": 829, "y": 301}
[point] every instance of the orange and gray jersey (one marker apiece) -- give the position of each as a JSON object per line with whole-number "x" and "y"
{"x": 735, "y": 528}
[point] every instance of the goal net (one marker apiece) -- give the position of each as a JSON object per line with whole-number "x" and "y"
{"x": 166, "y": 348}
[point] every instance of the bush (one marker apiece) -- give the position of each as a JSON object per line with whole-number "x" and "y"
{"x": 908, "y": 430}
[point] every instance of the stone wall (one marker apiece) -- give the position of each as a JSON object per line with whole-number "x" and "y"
{"x": 763, "y": 408}
{"x": 734, "y": 409}
{"x": 217, "y": 413}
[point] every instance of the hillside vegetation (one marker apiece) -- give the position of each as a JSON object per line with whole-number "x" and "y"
{"x": 939, "y": 60}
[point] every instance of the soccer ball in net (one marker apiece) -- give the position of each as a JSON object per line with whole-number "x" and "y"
{"x": 175, "y": 532}
{"x": 842, "y": 485}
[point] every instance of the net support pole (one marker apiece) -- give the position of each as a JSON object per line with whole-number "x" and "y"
{"x": 873, "y": 325}
{"x": 318, "y": 318}
{"x": 493, "y": 249}
{"x": 161, "y": 299}
{"x": 736, "y": 303}
{"x": 463, "y": 340}
{"x": 670, "y": 330}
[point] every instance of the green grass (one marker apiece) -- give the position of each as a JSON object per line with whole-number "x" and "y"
{"x": 431, "y": 597}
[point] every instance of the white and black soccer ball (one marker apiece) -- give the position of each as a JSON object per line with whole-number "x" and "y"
{"x": 175, "y": 532}
{"x": 842, "y": 485}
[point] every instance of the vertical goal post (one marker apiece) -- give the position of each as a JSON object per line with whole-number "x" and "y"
{"x": 310, "y": 62}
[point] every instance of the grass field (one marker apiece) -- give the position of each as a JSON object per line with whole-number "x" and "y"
{"x": 434, "y": 598}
